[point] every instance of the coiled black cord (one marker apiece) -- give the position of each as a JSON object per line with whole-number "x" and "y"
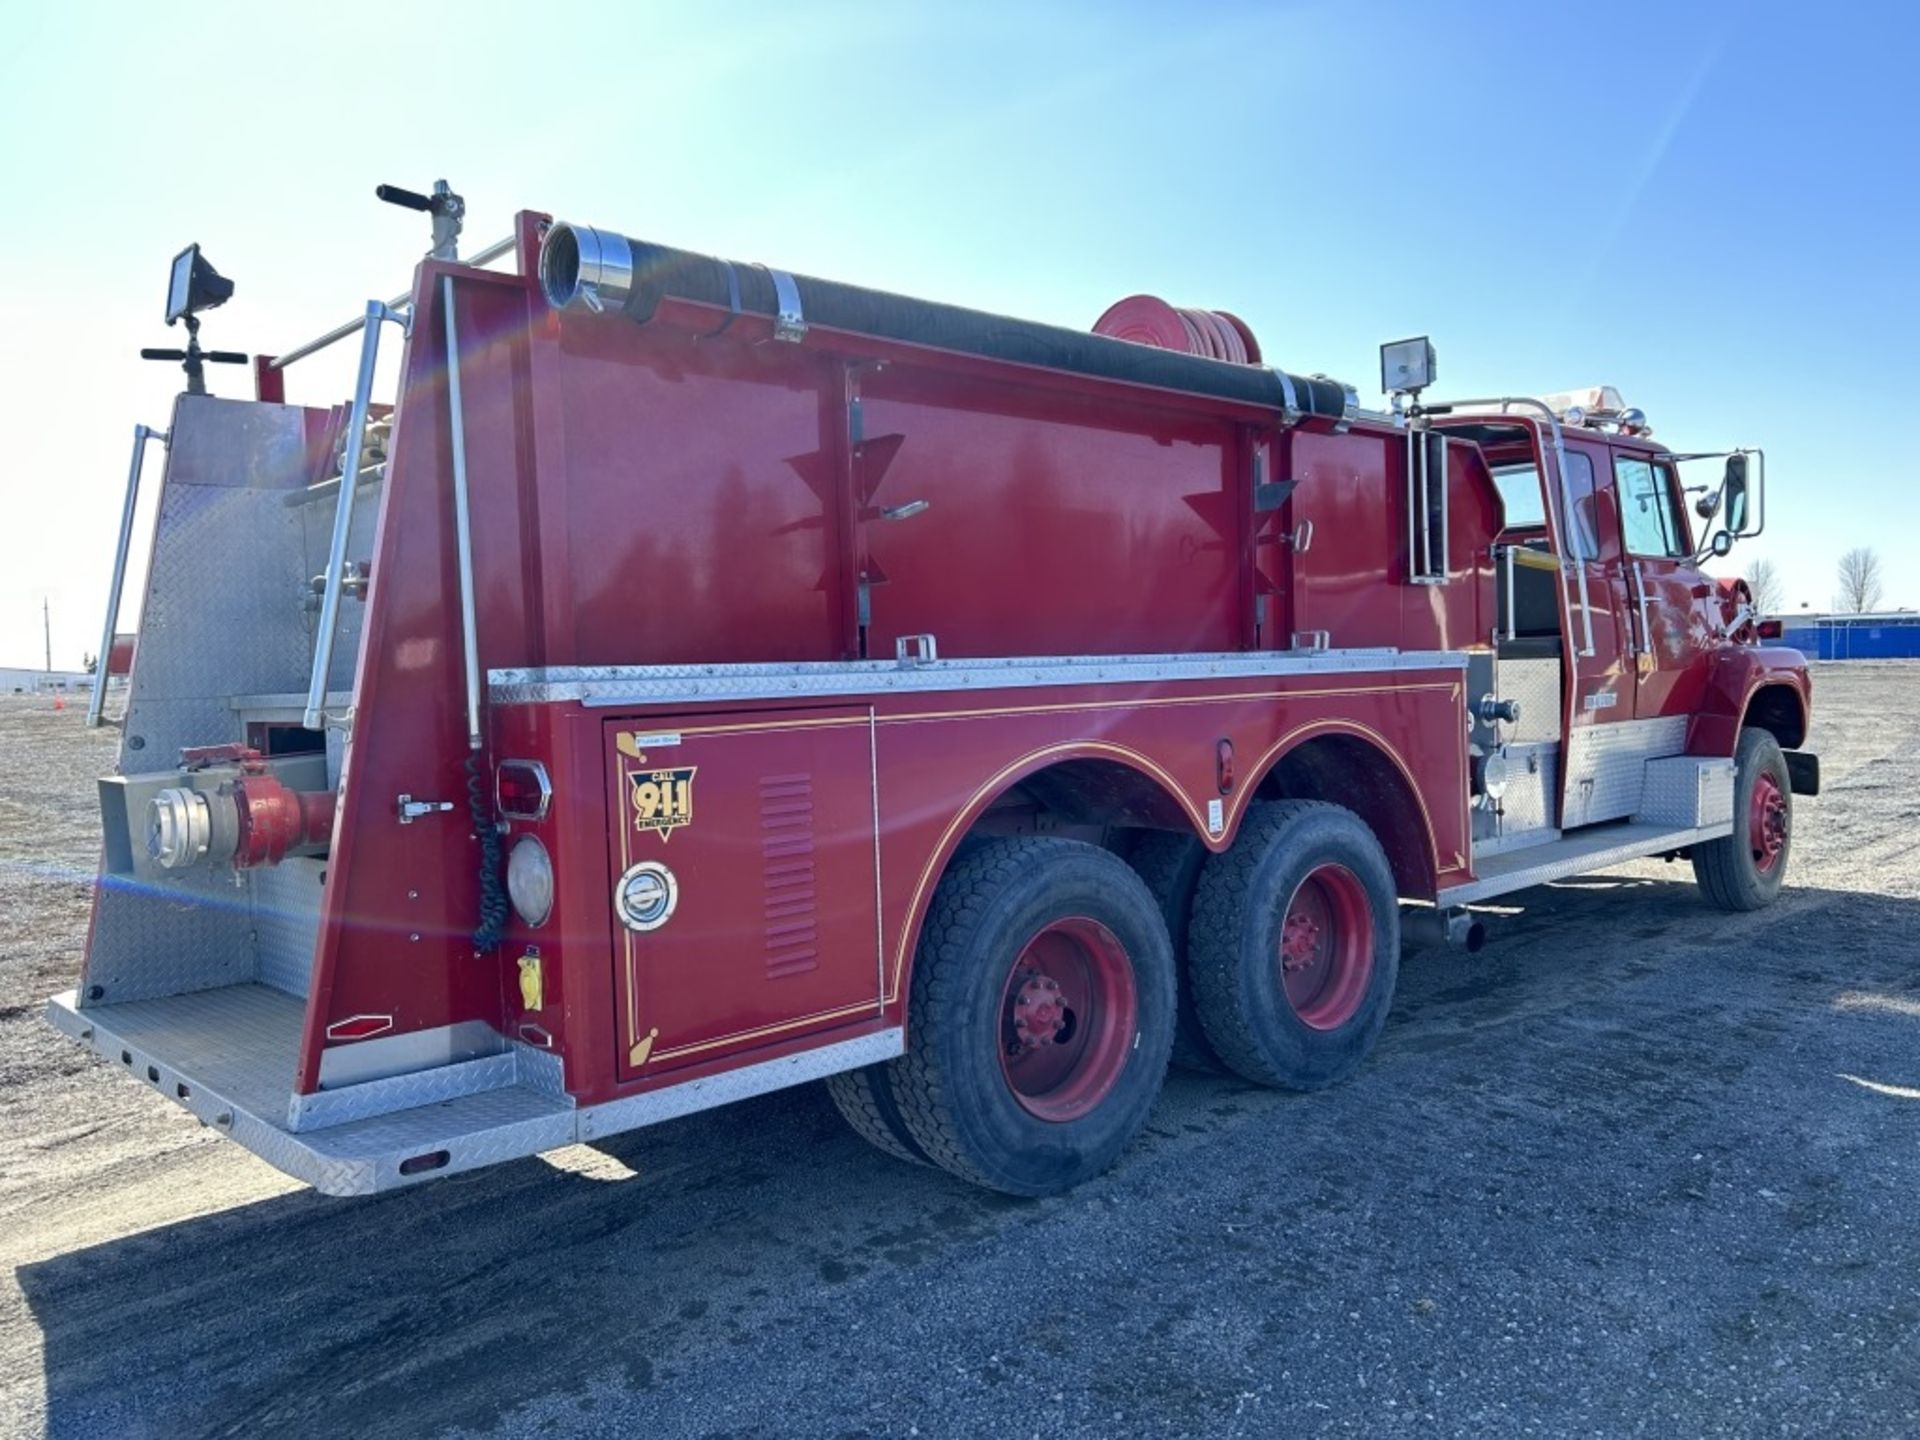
{"x": 493, "y": 885}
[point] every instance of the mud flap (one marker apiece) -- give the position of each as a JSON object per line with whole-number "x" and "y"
{"x": 1803, "y": 772}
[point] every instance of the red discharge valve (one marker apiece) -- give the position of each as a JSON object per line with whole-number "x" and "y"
{"x": 246, "y": 816}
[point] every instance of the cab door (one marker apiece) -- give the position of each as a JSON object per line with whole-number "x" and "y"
{"x": 1667, "y": 593}
{"x": 1603, "y": 681}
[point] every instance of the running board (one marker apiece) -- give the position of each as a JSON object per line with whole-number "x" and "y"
{"x": 1594, "y": 848}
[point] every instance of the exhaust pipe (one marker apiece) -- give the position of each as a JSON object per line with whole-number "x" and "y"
{"x": 1425, "y": 928}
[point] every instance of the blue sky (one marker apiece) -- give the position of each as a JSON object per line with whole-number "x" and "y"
{"x": 1709, "y": 206}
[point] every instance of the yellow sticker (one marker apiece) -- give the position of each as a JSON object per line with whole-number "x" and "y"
{"x": 662, "y": 799}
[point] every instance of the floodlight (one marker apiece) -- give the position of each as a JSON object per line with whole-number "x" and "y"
{"x": 195, "y": 285}
{"x": 1407, "y": 366}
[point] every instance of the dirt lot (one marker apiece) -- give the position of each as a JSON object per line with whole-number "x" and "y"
{"x": 1639, "y": 1168}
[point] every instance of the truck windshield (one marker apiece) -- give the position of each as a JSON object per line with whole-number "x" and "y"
{"x": 1519, "y": 487}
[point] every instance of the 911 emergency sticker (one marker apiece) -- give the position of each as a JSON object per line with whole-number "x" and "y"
{"x": 662, "y": 799}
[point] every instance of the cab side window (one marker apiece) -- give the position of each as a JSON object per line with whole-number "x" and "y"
{"x": 1649, "y": 514}
{"x": 1586, "y": 530}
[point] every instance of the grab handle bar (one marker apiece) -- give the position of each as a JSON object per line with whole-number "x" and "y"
{"x": 377, "y": 312}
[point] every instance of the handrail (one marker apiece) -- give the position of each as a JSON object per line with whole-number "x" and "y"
{"x": 462, "y": 520}
{"x": 314, "y": 717}
{"x": 340, "y": 332}
{"x": 141, "y": 434}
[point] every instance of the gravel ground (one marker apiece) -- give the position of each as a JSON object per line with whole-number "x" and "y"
{"x": 1638, "y": 1168}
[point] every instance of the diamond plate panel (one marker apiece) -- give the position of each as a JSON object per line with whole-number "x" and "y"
{"x": 541, "y": 1071}
{"x": 1607, "y": 763}
{"x": 1687, "y": 790}
{"x": 220, "y": 615}
{"x": 190, "y": 931}
{"x": 1531, "y": 793}
{"x": 236, "y": 1045}
{"x": 316, "y": 535}
{"x": 326, "y": 1108}
{"x": 1537, "y": 685}
{"x": 286, "y": 921}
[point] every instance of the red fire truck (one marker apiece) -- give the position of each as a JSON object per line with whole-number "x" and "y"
{"x": 705, "y": 679}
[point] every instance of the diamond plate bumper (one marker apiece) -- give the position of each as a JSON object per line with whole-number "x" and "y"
{"x": 226, "y": 1056}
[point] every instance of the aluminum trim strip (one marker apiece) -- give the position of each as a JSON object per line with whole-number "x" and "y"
{"x": 619, "y": 685}
{"x": 363, "y": 1156}
{"x": 612, "y": 1116}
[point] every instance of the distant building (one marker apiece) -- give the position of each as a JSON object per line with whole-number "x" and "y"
{"x": 43, "y": 682}
{"x": 1892, "y": 636}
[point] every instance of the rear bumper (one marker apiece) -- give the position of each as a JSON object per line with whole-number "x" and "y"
{"x": 203, "y": 1051}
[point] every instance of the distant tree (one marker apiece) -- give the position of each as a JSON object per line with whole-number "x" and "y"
{"x": 90, "y": 662}
{"x": 1768, "y": 589}
{"x": 1860, "y": 580}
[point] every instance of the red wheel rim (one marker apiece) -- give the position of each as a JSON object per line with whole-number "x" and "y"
{"x": 1068, "y": 1012}
{"x": 1767, "y": 823}
{"x": 1326, "y": 947}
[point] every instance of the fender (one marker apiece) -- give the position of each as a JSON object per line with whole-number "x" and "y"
{"x": 1738, "y": 676}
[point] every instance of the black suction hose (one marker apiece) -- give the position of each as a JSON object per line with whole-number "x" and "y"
{"x": 493, "y": 885}
{"x": 585, "y": 268}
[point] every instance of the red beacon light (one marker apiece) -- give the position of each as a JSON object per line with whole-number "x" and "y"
{"x": 522, "y": 790}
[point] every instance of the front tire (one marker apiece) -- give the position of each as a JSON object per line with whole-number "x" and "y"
{"x": 1745, "y": 870}
{"x": 1295, "y": 945}
{"x": 1039, "y": 1016}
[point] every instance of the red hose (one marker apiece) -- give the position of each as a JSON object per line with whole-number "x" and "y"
{"x": 1149, "y": 320}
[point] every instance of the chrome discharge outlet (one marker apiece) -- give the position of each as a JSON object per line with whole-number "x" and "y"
{"x": 1425, "y": 928}
{"x": 584, "y": 267}
{"x": 183, "y": 829}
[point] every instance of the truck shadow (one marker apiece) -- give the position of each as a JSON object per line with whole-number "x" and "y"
{"x": 676, "y": 1257}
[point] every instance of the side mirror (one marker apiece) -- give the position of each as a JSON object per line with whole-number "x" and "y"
{"x": 1734, "y": 488}
{"x": 1707, "y": 506}
{"x": 1722, "y": 542}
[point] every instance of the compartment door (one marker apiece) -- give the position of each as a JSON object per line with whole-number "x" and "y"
{"x": 760, "y": 827}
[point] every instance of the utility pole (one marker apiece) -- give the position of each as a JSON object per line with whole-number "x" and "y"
{"x": 46, "y": 622}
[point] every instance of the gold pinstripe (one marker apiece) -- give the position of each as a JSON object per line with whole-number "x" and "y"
{"x": 1076, "y": 747}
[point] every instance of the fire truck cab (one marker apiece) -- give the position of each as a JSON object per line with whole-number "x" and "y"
{"x": 704, "y": 679}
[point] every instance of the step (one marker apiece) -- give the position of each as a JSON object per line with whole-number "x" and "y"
{"x": 1593, "y": 847}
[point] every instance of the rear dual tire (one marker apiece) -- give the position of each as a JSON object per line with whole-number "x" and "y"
{"x": 1170, "y": 863}
{"x": 1040, "y": 1015}
{"x": 1294, "y": 949}
{"x": 1042, "y": 1009}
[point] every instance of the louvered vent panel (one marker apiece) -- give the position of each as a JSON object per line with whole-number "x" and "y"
{"x": 787, "y": 867}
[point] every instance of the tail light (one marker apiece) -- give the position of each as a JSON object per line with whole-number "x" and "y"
{"x": 1771, "y": 629}
{"x": 521, "y": 790}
